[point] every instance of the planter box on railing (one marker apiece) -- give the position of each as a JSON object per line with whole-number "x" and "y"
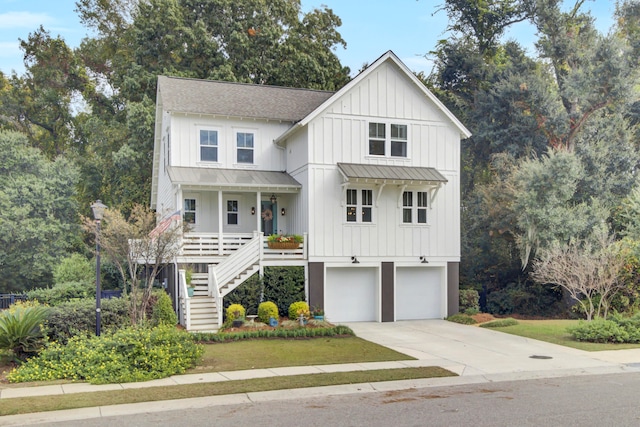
{"x": 283, "y": 245}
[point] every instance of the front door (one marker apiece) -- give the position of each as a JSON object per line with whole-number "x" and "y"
{"x": 269, "y": 219}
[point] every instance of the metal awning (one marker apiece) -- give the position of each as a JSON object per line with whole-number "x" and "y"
{"x": 404, "y": 175}
{"x": 240, "y": 179}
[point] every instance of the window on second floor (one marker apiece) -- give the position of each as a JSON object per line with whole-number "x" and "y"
{"x": 359, "y": 205}
{"x": 414, "y": 207}
{"x": 244, "y": 141}
{"x": 208, "y": 145}
{"x": 393, "y": 143}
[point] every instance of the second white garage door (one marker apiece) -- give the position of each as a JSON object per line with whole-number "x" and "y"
{"x": 418, "y": 293}
{"x": 351, "y": 294}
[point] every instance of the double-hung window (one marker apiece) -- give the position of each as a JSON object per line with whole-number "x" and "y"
{"x": 392, "y": 143}
{"x": 232, "y": 212}
{"x": 208, "y": 145}
{"x": 244, "y": 141}
{"x": 190, "y": 211}
{"x": 414, "y": 207}
{"x": 359, "y": 205}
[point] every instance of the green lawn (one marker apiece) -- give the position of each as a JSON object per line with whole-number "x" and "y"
{"x": 251, "y": 354}
{"x": 555, "y": 331}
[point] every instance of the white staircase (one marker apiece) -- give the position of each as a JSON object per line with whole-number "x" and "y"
{"x": 203, "y": 311}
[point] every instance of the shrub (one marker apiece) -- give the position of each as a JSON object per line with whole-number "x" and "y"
{"x": 74, "y": 268}
{"x": 267, "y": 310}
{"x": 298, "y": 308}
{"x": 500, "y": 323}
{"x": 235, "y": 312}
{"x": 284, "y": 286}
{"x": 297, "y": 332}
{"x": 126, "y": 355}
{"x": 62, "y": 292}
{"x": 79, "y": 317}
{"x": 247, "y": 294}
{"x": 20, "y": 329}
{"x": 162, "y": 312}
{"x": 461, "y": 318}
{"x": 599, "y": 330}
{"x": 469, "y": 301}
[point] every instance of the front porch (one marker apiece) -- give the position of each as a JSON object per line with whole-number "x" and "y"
{"x": 230, "y": 258}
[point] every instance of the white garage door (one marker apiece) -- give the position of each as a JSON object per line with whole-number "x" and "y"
{"x": 418, "y": 293}
{"x": 351, "y": 294}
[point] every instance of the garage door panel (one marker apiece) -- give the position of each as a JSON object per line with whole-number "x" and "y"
{"x": 418, "y": 293}
{"x": 351, "y": 294}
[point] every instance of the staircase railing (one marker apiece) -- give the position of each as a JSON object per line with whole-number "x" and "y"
{"x": 185, "y": 301}
{"x": 236, "y": 263}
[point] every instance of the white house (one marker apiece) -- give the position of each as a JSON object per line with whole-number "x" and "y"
{"x": 370, "y": 175}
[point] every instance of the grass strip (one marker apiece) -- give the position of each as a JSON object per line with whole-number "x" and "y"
{"x": 26, "y": 405}
{"x": 555, "y": 332}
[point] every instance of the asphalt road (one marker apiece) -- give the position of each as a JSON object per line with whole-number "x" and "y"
{"x": 590, "y": 400}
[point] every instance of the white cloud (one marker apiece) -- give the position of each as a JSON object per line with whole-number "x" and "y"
{"x": 24, "y": 20}
{"x": 9, "y": 49}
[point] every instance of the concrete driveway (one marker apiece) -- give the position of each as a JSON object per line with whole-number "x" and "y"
{"x": 470, "y": 350}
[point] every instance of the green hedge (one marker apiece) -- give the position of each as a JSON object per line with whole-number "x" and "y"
{"x": 301, "y": 332}
{"x": 461, "y": 318}
{"x": 126, "y": 355}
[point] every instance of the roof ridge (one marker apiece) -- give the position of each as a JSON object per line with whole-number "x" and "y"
{"x": 245, "y": 84}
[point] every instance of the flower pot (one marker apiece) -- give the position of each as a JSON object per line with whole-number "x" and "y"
{"x": 318, "y": 317}
{"x": 237, "y": 323}
{"x": 283, "y": 245}
{"x": 190, "y": 291}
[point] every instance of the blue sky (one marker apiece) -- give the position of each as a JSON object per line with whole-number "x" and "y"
{"x": 370, "y": 27}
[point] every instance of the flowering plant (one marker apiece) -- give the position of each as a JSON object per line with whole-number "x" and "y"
{"x": 285, "y": 238}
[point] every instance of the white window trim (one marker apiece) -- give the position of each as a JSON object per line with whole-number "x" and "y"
{"x": 414, "y": 207}
{"x": 219, "y": 146}
{"x": 359, "y": 206}
{"x": 196, "y": 214}
{"x": 387, "y": 143}
{"x": 226, "y": 212}
{"x": 236, "y": 131}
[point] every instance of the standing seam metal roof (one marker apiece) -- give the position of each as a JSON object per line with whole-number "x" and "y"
{"x": 395, "y": 173}
{"x": 238, "y": 99}
{"x": 232, "y": 177}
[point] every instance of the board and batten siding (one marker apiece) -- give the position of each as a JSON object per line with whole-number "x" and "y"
{"x": 340, "y": 134}
{"x": 185, "y": 137}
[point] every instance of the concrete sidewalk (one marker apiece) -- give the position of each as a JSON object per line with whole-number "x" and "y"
{"x": 477, "y": 355}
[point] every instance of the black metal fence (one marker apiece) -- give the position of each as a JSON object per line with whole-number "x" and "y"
{"x": 7, "y": 299}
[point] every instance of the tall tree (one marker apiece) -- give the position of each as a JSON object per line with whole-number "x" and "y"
{"x": 38, "y": 213}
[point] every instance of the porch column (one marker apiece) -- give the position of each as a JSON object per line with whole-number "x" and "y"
{"x": 258, "y": 209}
{"x": 220, "y": 222}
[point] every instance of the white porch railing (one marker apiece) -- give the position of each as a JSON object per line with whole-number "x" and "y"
{"x": 185, "y": 301}
{"x": 208, "y": 245}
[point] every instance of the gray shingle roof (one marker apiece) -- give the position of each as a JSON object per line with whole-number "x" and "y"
{"x": 392, "y": 173}
{"x": 238, "y": 99}
{"x": 237, "y": 178}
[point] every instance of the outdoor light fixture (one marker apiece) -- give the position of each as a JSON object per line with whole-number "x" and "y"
{"x": 283, "y": 212}
{"x": 98, "y": 209}
{"x": 354, "y": 260}
{"x": 253, "y": 210}
{"x": 423, "y": 260}
{"x": 273, "y": 199}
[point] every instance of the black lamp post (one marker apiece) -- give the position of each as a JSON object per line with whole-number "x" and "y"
{"x": 98, "y": 212}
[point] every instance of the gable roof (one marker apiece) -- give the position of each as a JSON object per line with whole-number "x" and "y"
{"x": 388, "y": 56}
{"x": 396, "y": 174}
{"x": 185, "y": 95}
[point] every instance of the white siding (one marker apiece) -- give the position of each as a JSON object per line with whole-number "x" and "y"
{"x": 186, "y": 139}
{"x": 341, "y": 135}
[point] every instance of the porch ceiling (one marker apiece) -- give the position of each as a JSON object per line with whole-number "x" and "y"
{"x": 233, "y": 179}
{"x": 384, "y": 173}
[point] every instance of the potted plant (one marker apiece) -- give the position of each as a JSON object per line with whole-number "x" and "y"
{"x": 235, "y": 313}
{"x": 317, "y": 313}
{"x": 188, "y": 274}
{"x": 284, "y": 241}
